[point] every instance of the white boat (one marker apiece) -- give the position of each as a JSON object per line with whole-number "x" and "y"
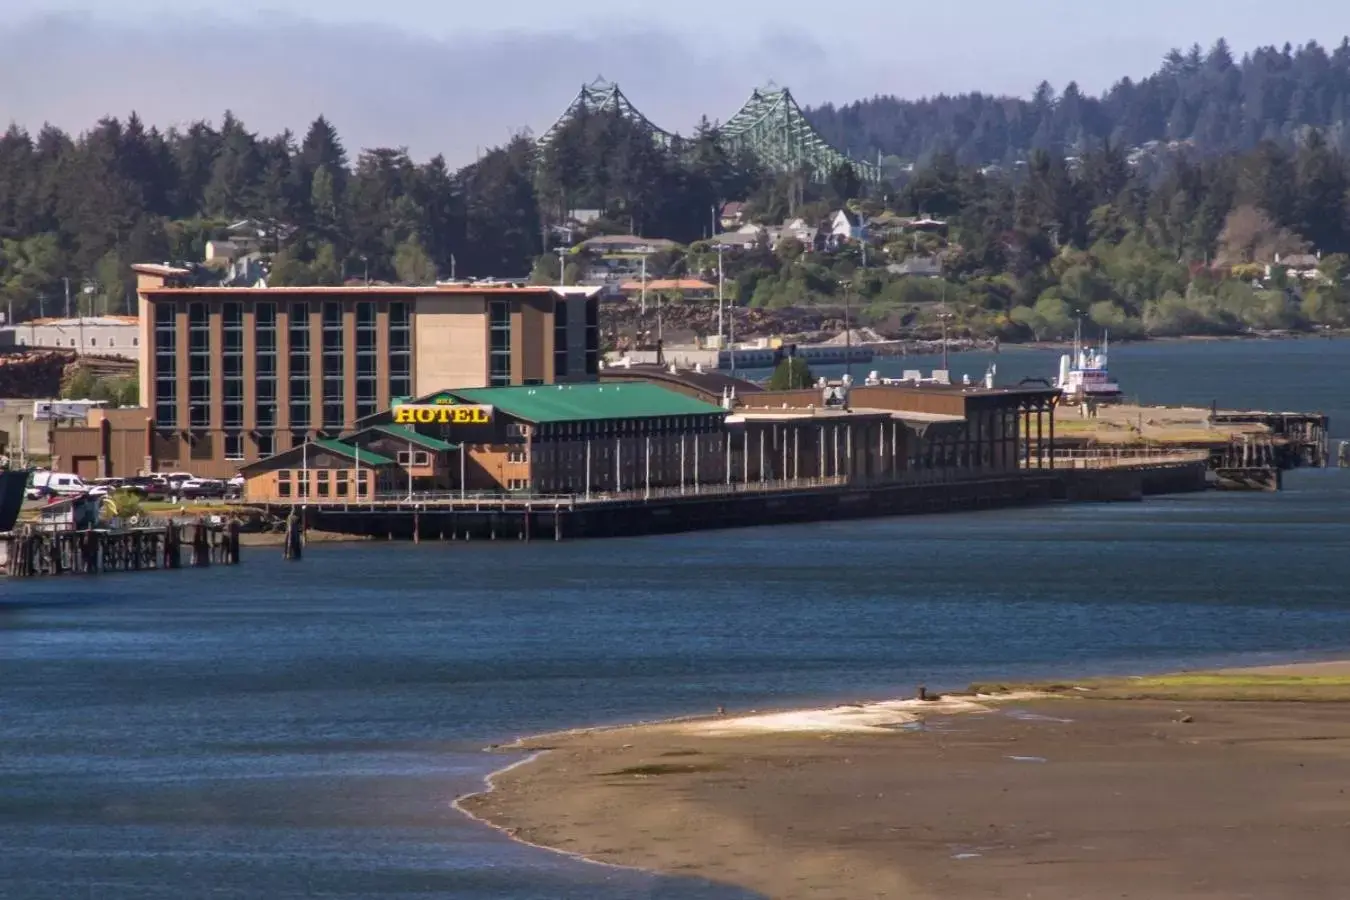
{"x": 1084, "y": 377}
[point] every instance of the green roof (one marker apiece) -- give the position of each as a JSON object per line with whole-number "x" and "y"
{"x": 587, "y": 402}
{"x": 353, "y": 453}
{"x": 412, "y": 437}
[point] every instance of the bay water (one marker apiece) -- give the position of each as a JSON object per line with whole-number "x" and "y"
{"x": 288, "y": 730}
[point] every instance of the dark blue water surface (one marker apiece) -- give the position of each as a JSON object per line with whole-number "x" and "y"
{"x": 286, "y": 730}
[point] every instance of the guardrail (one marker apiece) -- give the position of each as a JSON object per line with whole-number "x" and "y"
{"x": 1115, "y": 458}
{"x": 484, "y": 501}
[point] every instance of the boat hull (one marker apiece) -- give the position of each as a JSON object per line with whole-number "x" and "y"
{"x": 13, "y": 483}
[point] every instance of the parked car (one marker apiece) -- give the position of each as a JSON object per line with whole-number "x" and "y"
{"x": 148, "y": 487}
{"x": 234, "y": 488}
{"x": 202, "y": 489}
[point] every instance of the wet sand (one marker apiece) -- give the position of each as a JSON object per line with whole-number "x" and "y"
{"x": 1075, "y": 796}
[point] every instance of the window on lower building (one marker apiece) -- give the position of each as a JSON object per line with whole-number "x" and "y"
{"x": 518, "y": 455}
{"x": 341, "y": 482}
{"x": 284, "y": 483}
{"x": 323, "y": 483}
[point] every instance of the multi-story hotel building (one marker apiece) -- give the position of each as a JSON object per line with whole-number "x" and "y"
{"x": 232, "y": 375}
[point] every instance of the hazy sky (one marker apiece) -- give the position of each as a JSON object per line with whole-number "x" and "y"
{"x": 448, "y": 76}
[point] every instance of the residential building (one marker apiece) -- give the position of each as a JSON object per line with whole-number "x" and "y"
{"x": 232, "y": 374}
{"x": 95, "y": 335}
{"x": 917, "y": 267}
{"x": 683, "y": 288}
{"x": 732, "y": 215}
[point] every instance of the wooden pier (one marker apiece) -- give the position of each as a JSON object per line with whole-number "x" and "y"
{"x": 37, "y": 551}
{"x": 739, "y": 505}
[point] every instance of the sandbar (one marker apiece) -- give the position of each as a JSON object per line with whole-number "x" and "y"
{"x": 1205, "y": 785}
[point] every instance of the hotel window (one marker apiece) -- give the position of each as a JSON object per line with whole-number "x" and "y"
{"x": 298, "y": 438}
{"x": 166, "y": 366}
{"x": 518, "y": 455}
{"x": 234, "y": 445}
{"x": 232, "y": 366}
{"x": 499, "y": 343}
{"x": 366, "y": 370}
{"x": 284, "y": 483}
{"x": 265, "y": 367}
{"x": 334, "y": 412}
{"x": 199, "y": 368}
{"x": 592, "y": 337}
{"x": 414, "y": 458}
{"x": 266, "y": 444}
{"x": 559, "y": 338}
{"x": 298, "y": 336}
{"x": 400, "y": 349}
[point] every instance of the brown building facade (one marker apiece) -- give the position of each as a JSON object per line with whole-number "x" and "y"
{"x": 232, "y": 375}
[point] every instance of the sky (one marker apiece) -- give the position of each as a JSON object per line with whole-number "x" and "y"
{"x": 454, "y": 76}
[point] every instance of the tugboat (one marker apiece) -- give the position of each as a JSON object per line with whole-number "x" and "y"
{"x": 1083, "y": 376}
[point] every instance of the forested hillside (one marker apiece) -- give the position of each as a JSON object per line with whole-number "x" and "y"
{"x": 1219, "y": 103}
{"x": 1179, "y": 243}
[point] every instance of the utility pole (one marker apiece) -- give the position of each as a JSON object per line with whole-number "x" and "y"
{"x": 562, "y": 267}
{"x": 643, "y": 308}
{"x": 721, "y": 287}
{"x": 848, "y": 335}
{"x": 67, "y": 283}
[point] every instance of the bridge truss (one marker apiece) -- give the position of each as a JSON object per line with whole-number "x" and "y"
{"x": 770, "y": 124}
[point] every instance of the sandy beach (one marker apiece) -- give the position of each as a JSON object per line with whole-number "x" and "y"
{"x": 1206, "y": 785}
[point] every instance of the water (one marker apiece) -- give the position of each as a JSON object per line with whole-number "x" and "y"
{"x": 287, "y": 730}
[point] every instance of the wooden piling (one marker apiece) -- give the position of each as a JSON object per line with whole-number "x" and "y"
{"x": 292, "y": 543}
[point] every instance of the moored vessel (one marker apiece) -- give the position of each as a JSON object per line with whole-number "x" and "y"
{"x": 1083, "y": 376}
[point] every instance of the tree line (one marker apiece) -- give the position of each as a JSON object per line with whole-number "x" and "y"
{"x": 1142, "y": 245}
{"x": 1210, "y": 99}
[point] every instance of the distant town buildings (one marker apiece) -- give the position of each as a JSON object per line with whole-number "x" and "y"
{"x": 94, "y": 335}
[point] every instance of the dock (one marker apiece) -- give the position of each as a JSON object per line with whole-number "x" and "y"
{"x": 1246, "y": 450}
{"x": 448, "y": 518}
{"x": 32, "y": 551}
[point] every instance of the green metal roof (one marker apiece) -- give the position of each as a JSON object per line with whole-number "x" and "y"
{"x": 586, "y": 402}
{"x": 413, "y": 437}
{"x": 353, "y": 453}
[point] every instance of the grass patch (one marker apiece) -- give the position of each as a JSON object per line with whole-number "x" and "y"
{"x": 1216, "y": 686}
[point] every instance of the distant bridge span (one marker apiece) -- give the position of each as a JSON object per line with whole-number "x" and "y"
{"x": 770, "y": 124}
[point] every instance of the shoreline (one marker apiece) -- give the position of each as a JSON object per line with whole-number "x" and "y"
{"x": 790, "y": 802}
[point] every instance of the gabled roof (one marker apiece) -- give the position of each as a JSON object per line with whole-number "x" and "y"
{"x": 412, "y": 437}
{"x": 347, "y": 451}
{"x": 353, "y": 453}
{"x": 587, "y": 402}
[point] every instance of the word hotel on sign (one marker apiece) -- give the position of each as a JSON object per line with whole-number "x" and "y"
{"x": 442, "y": 415}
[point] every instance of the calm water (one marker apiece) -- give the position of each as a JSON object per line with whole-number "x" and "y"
{"x": 299, "y": 730}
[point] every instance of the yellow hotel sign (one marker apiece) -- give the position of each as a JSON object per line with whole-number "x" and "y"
{"x": 441, "y": 414}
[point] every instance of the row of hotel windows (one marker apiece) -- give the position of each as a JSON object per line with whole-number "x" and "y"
{"x": 333, "y": 354}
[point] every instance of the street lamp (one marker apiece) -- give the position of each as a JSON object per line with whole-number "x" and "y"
{"x": 562, "y": 267}
{"x": 721, "y": 285}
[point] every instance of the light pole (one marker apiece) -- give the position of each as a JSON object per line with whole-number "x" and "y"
{"x": 562, "y": 267}
{"x": 944, "y": 316}
{"x": 721, "y": 286}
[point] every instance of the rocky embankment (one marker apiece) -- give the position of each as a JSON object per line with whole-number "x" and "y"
{"x": 624, "y": 326}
